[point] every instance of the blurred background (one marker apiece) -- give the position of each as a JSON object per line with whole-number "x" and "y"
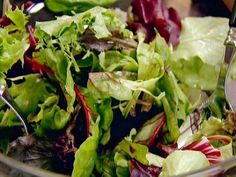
{"x": 184, "y": 7}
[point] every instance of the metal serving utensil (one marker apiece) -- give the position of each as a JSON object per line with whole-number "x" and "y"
{"x": 35, "y": 7}
{"x": 226, "y": 79}
{"x": 6, "y": 98}
{"x": 230, "y": 61}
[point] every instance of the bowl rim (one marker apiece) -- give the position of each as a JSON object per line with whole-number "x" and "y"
{"x": 26, "y": 168}
{"x": 212, "y": 170}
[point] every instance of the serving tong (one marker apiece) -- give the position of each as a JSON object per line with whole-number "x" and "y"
{"x": 230, "y": 62}
{"x": 4, "y": 94}
{"x": 35, "y": 7}
{"x": 226, "y": 79}
{"x": 6, "y": 98}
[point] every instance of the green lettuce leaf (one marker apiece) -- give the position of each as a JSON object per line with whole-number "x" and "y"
{"x": 180, "y": 162}
{"x": 50, "y": 116}
{"x": 18, "y": 18}
{"x": 11, "y": 49}
{"x": 60, "y": 64}
{"x": 25, "y": 98}
{"x": 13, "y": 41}
{"x": 200, "y": 52}
{"x": 122, "y": 165}
{"x": 175, "y": 103}
{"x": 150, "y": 63}
{"x": 115, "y": 60}
{"x": 150, "y": 67}
{"x": 86, "y": 155}
{"x": 58, "y": 44}
{"x": 118, "y": 86}
{"x": 103, "y": 22}
{"x": 75, "y": 5}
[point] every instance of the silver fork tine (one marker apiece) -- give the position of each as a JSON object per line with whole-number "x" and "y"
{"x": 5, "y": 96}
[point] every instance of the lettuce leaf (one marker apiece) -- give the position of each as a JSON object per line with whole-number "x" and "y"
{"x": 18, "y": 19}
{"x": 101, "y": 21}
{"x": 115, "y": 60}
{"x": 23, "y": 94}
{"x": 50, "y": 116}
{"x": 13, "y": 40}
{"x": 122, "y": 165}
{"x": 75, "y": 5}
{"x": 186, "y": 161}
{"x": 61, "y": 65}
{"x": 11, "y": 49}
{"x": 150, "y": 67}
{"x": 86, "y": 155}
{"x": 197, "y": 59}
{"x": 118, "y": 86}
{"x": 59, "y": 46}
{"x": 150, "y": 63}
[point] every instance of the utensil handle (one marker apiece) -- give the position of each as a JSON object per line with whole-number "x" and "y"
{"x": 6, "y": 98}
{"x": 232, "y": 21}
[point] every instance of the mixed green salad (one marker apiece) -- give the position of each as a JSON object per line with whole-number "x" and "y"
{"x": 108, "y": 97}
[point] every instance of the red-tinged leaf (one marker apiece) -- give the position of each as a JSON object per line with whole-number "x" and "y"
{"x": 144, "y": 9}
{"x": 203, "y": 145}
{"x": 32, "y": 40}
{"x": 4, "y": 21}
{"x": 157, "y": 131}
{"x": 87, "y": 111}
{"x": 166, "y": 149}
{"x": 27, "y": 4}
{"x": 223, "y": 139}
{"x": 140, "y": 170}
{"x": 152, "y": 14}
{"x": 37, "y": 67}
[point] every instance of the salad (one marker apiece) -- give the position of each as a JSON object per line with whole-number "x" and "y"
{"x": 110, "y": 93}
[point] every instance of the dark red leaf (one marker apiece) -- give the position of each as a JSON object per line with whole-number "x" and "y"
{"x": 157, "y": 131}
{"x": 151, "y": 15}
{"x": 4, "y": 21}
{"x": 32, "y": 40}
{"x": 166, "y": 149}
{"x": 27, "y": 4}
{"x": 80, "y": 96}
{"x": 140, "y": 170}
{"x": 37, "y": 67}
